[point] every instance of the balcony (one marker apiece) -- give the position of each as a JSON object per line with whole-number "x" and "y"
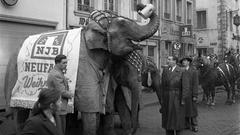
{"x": 167, "y": 15}
{"x": 85, "y": 8}
{"x": 189, "y": 21}
{"x": 179, "y": 18}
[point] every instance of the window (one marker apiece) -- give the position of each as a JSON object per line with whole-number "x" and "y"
{"x": 179, "y": 10}
{"x": 190, "y": 49}
{"x": 151, "y": 51}
{"x": 110, "y": 5}
{"x": 201, "y": 19}
{"x": 135, "y": 14}
{"x": 154, "y": 2}
{"x": 189, "y": 13}
{"x": 167, "y": 9}
{"x": 84, "y": 5}
{"x": 168, "y": 48}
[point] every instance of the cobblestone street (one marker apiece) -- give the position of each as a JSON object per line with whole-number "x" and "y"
{"x": 218, "y": 120}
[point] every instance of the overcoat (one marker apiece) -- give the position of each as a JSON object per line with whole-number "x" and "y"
{"x": 41, "y": 125}
{"x": 190, "y": 106}
{"x": 58, "y": 81}
{"x": 174, "y": 90}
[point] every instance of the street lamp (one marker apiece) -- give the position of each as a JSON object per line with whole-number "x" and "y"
{"x": 236, "y": 22}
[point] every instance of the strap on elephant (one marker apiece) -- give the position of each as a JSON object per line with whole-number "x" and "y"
{"x": 136, "y": 60}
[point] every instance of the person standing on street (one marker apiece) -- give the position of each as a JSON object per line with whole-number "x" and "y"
{"x": 190, "y": 102}
{"x": 174, "y": 88}
{"x": 56, "y": 80}
{"x": 44, "y": 120}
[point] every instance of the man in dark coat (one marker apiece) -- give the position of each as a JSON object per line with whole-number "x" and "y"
{"x": 190, "y": 102}
{"x": 174, "y": 88}
{"x": 57, "y": 80}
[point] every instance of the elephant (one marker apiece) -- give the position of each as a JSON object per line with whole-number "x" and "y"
{"x": 106, "y": 34}
{"x": 131, "y": 73}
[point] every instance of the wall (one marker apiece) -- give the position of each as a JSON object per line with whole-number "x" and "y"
{"x": 41, "y": 10}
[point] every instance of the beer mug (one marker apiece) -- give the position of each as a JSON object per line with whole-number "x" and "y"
{"x": 146, "y": 12}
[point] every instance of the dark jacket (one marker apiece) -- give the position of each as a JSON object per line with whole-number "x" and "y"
{"x": 190, "y": 106}
{"x": 57, "y": 81}
{"x": 174, "y": 90}
{"x": 41, "y": 125}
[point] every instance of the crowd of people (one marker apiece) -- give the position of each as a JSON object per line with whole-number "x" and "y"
{"x": 179, "y": 94}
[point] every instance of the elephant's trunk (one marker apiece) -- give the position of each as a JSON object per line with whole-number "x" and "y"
{"x": 142, "y": 32}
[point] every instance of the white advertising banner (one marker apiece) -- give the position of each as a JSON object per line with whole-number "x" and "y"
{"x": 36, "y": 59}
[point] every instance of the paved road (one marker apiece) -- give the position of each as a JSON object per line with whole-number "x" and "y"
{"x": 218, "y": 120}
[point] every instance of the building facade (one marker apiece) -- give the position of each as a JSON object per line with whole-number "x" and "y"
{"x": 79, "y": 10}
{"x": 21, "y": 19}
{"x": 177, "y": 21}
{"x": 215, "y": 29}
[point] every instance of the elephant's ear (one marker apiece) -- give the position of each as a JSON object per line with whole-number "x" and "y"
{"x": 96, "y": 37}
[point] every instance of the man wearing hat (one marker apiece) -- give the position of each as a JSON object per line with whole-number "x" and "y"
{"x": 191, "y": 112}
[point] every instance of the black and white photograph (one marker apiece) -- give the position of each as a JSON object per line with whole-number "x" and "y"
{"x": 119, "y": 67}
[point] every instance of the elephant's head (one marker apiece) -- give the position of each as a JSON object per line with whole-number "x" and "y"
{"x": 115, "y": 34}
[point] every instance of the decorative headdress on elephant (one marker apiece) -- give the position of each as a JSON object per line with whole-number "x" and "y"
{"x": 119, "y": 31}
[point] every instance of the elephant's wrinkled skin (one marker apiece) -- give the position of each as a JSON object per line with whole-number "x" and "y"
{"x": 127, "y": 75}
{"x": 114, "y": 38}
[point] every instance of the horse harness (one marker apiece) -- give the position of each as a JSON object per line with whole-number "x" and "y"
{"x": 223, "y": 74}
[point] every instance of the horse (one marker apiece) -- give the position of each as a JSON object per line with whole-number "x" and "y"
{"x": 210, "y": 77}
{"x": 234, "y": 60}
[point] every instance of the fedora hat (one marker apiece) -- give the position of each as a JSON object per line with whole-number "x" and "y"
{"x": 186, "y": 58}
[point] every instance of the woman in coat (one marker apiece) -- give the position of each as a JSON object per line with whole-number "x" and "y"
{"x": 44, "y": 120}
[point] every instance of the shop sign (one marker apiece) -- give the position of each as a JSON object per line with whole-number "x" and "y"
{"x": 213, "y": 43}
{"x": 186, "y": 31}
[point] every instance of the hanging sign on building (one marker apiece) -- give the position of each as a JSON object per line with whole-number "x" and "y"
{"x": 177, "y": 45}
{"x": 186, "y": 31}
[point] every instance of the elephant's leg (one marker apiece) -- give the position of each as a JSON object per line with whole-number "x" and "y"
{"x": 123, "y": 110}
{"x": 135, "y": 89}
{"x": 90, "y": 123}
